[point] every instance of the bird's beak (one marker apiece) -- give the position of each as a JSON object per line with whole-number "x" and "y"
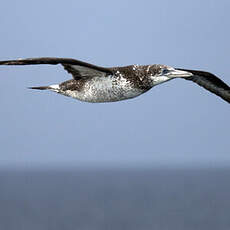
{"x": 179, "y": 73}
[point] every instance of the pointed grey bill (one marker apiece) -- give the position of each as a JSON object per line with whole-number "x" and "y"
{"x": 179, "y": 73}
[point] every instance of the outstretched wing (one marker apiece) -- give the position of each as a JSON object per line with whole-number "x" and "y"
{"x": 210, "y": 82}
{"x": 78, "y": 69}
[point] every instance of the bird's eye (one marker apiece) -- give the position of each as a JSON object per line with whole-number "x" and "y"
{"x": 164, "y": 71}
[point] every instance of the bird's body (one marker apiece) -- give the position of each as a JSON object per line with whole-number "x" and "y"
{"x": 98, "y": 84}
{"x": 100, "y": 89}
{"x": 123, "y": 83}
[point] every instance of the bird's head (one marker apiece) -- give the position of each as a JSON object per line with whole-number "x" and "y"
{"x": 163, "y": 73}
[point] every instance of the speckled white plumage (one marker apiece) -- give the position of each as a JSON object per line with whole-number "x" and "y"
{"x": 104, "y": 89}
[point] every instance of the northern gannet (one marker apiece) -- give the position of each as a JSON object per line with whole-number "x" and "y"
{"x": 93, "y": 83}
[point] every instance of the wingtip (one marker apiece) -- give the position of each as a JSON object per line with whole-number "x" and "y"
{"x": 4, "y": 63}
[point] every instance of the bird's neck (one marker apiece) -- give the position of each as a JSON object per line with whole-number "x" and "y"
{"x": 156, "y": 80}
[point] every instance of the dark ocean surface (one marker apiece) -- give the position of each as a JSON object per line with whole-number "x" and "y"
{"x": 160, "y": 199}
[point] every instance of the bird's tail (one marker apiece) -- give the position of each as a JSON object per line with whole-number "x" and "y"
{"x": 55, "y": 88}
{"x": 40, "y": 87}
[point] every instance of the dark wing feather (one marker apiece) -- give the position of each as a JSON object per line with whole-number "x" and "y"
{"x": 210, "y": 82}
{"x": 78, "y": 69}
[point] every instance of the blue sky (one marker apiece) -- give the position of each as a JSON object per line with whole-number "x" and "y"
{"x": 174, "y": 124}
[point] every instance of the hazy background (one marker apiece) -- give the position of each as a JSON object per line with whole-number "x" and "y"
{"x": 160, "y": 161}
{"x": 177, "y": 124}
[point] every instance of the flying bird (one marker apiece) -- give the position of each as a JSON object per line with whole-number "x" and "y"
{"x": 93, "y": 83}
